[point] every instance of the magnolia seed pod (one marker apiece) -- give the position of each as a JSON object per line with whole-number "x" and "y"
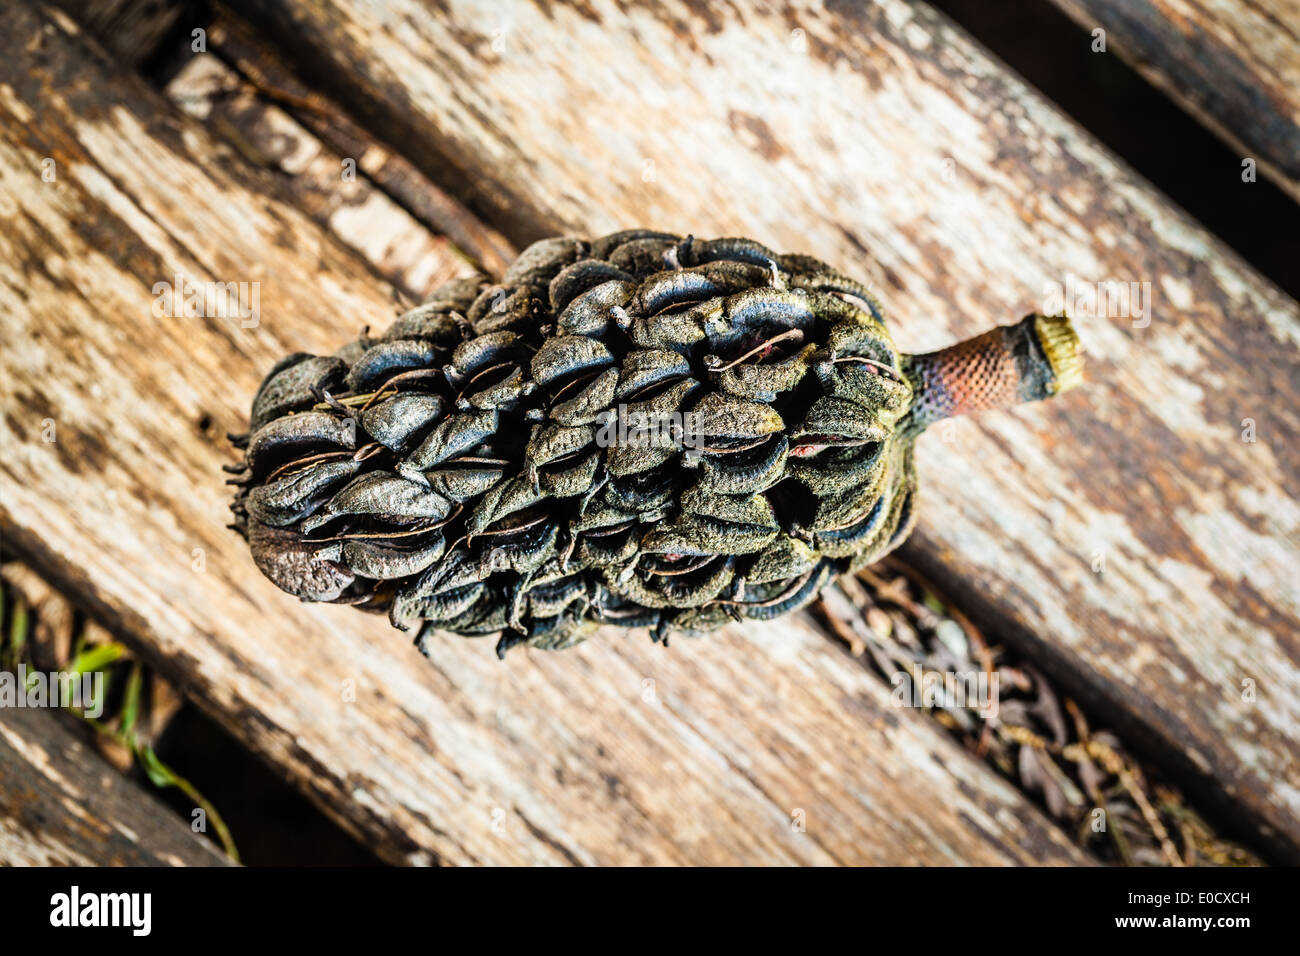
{"x": 641, "y": 430}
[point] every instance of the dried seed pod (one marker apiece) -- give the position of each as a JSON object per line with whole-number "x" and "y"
{"x": 581, "y": 400}
{"x": 585, "y": 274}
{"x": 293, "y": 386}
{"x": 299, "y": 493}
{"x": 383, "y": 562}
{"x": 642, "y": 430}
{"x": 382, "y": 496}
{"x": 398, "y": 421}
{"x": 431, "y": 322}
{"x": 453, "y": 437}
{"x": 465, "y": 479}
{"x": 592, "y": 311}
{"x": 564, "y": 356}
{"x": 297, "y": 438}
{"x": 384, "y": 360}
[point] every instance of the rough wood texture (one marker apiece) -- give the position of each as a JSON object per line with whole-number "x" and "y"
{"x": 61, "y": 804}
{"x": 880, "y": 138}
{"x": 614, "y": 752}
{"x": 1234, "y": 64}
{"x": 132, "y": 29}
{"x": 259, "y": 62}
{"x": 315, "y": 178}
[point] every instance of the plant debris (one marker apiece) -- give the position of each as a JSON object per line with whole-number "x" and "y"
{"x": 1085, "y": 778}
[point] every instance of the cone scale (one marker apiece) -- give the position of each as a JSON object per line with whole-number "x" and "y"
{"x": 641, "y": 430}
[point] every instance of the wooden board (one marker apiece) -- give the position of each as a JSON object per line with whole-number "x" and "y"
{"x": 880, "y": 138}
{"x": 62, "y": 804}
{"x": 341, "y": 199}
{"x": 767, "y": 745}
{"x": 1234, "y": 65}
{"x": 242, "y": 49}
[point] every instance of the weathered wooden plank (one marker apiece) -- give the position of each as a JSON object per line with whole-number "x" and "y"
{"x": 335, "y": 194}
{"x": 368, "y": 202}
{"x": 881, "y": 138}
{"x": 1235, "y": 65}
{"x": 613, "y": 752}
{"x": 245, "y": 50}
{"x": 62, "y": 804}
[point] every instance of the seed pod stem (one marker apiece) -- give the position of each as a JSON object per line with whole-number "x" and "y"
{"x": 1034, "y": 359}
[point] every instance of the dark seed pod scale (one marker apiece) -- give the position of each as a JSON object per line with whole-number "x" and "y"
{"x": 642, "y": 431}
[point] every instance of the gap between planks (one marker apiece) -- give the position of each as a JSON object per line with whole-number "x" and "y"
{"x": 1235, "y": 66}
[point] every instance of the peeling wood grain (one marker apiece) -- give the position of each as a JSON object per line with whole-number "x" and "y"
{"x": 328, "y": 187}
{"x": 880, "y": 138}
{"x": 1234, "y": 64}
{"x": 246, "y": 51}
{"x": 61, "y": 804}
{"x": 615, "y": 752}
